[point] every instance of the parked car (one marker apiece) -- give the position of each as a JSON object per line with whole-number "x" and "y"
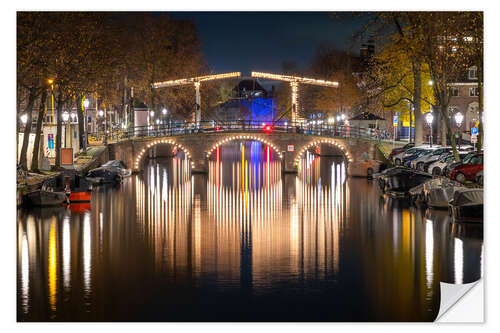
{"x": 419, "y": 152}
{"x": 469, "y": 170}
{"x": 447, "y": 170}
{"x": 429, "y": 152}
{"x": 435, "y": 167}
{"x": 398, "y": 158}
{"x": 422, "y": 163}
{"x": 480, "y": 178}
{"x": 399, "y": 150}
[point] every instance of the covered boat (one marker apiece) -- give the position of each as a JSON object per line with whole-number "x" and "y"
{"x": 467, "y": 205}
{"x": 436, "y": 192}
{"x": 103, "y": 175}
{"x": 118, "y": 166}
{"x": 398, "y": 181}
{"x": 110, "y": 172}
{"x": 46, "y": 198}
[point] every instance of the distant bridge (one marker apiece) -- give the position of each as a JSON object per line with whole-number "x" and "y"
{"x": 288, "y": 141}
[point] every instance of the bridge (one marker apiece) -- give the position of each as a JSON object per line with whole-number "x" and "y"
{"x": 198, "y": 141}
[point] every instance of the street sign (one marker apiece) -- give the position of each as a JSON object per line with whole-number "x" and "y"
{"x": 395, "y": 121}
{"x": 50, "y": 141}
{"x": 473, "y": 138}
{"x": 66, "y": 156}
{"x": 290, "y": 148}
{"x": 473, "y": 131}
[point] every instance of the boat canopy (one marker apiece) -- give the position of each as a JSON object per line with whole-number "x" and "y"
{"x": 468, "y": 197}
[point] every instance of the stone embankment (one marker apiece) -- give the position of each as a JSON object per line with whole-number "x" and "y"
{"x": 94, "y": 157}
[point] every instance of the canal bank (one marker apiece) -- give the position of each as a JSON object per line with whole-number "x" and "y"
{"x": 93, "y": 158}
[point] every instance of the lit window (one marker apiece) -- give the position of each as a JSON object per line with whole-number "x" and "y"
{"x": 454, "y": 91}
{"x": 474, "y": 91}
{"x": 473, "y": 73}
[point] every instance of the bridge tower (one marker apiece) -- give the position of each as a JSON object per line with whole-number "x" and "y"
{"x": 294, "y": 84}
{"x": 196, "y": 81}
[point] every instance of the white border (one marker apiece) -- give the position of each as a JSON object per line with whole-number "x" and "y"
{"x": 8, "y": 258}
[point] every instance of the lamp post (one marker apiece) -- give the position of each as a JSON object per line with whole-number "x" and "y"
{"x": 458, "y": 120}
{"x": 429, "y": 118}
{"x": 86, "y": 104}
{"x": 100, "y": 114}
{"x": 65, "y": 117}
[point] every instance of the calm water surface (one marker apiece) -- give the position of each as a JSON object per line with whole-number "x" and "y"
{"x": 243, "y": 243}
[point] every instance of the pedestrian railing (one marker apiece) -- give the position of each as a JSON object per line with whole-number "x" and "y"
{"x": 205, "y": 127}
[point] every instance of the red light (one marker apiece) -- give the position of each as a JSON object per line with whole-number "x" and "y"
{"x": 268, "y": 128}
{"x": 217, "y": 128}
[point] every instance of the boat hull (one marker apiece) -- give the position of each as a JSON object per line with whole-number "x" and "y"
{"x": 80, "y": 196}
{"x": 46, "y": 198}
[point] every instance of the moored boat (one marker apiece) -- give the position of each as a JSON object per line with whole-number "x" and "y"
{"x": 467, "y": 205}
{"x": 76, "y": 187}
{"x": 437, "y": 192}
{"x": 399, "y": 181}
{"x": 46, "y": 198}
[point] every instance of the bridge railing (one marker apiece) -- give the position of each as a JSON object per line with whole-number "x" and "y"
{"x": 185, "y": 128}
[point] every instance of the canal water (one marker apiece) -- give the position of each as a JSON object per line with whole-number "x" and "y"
{"x": 242, "y": 243}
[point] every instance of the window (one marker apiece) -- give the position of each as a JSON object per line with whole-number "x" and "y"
{"x": 454, "y": 91}
{"x": 474, "y": 91}
{"x": 476, "y": 160}
{"x": 473, "y": 73}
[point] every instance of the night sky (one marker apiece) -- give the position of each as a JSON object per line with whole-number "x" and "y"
{"x": 261, "y": 41}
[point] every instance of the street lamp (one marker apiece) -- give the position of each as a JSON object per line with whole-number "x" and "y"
{"x": 65, "y": 117}
{"x": 73, "y": 116}
{"x": 342, "y": 116}
{"x": 24, "y": 118}
{"x": 164, "y": 111}
{"x": 429, "y": 118}
{"x": 331, "y": 120}
{"x": 458, "y": 119}
{"x": 86, "y": 104}
{"x": 101, "y": 113}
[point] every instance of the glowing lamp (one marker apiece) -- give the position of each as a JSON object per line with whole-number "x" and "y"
{"x": 429, "y": 118}
{"x": 65, "y": 116}
{"x": 24, "y": 118}
{"x": 86, "y": 103}
{"x": 459, "y": 118}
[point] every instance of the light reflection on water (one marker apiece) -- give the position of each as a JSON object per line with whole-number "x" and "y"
{"x": 243, "y": 242}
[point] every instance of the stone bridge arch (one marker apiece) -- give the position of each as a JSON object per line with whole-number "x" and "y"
{"x": 199, "y": 147}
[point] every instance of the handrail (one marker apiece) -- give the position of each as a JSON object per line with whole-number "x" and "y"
{"x": 249, "y": 126}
